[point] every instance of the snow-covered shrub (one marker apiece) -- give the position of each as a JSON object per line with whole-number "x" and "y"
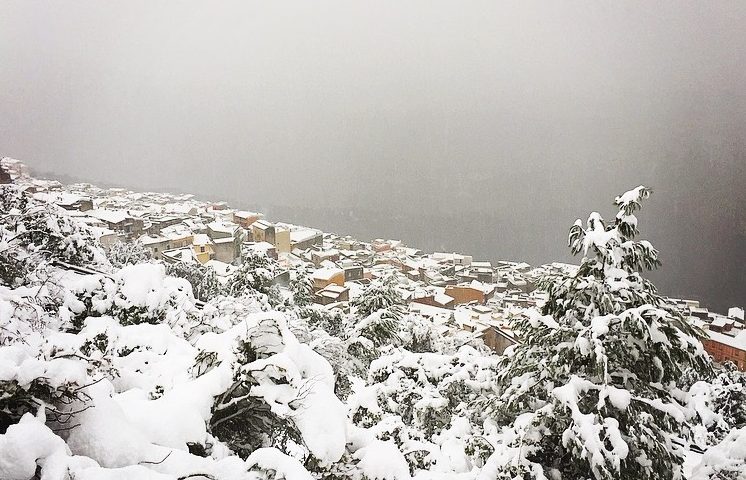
{"x": 330, "y": 321}
{"x": 135, "y": 294}
{"x": 203, "y": 279}
{"x": 34, "y": 375}
{"x": 121, "y": 254}
{"x": 282, "y": 391}
{"x": 301, "y": 286}
{"x": 591, "y": 389}
{"x": 725, "y": 461}
{"x": 381, "y": 327}
{"x": 255, "y": 274}
{"x": 32, "y": 233}
{"x": 422, "y": 402}
{"x": 246, "y": 422}
{"x": 30, "y": 445}
{"x": 19, "y": 315}
{"x": 719, "y": 405}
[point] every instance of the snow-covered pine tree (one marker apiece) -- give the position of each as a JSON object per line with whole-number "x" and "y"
{"x": 301, "y": 285}
{"x": 590, "y": 392}
{"x": 379, "y": 310}
{"x": 255, "y": 274}
{"x": 379, "y": 296}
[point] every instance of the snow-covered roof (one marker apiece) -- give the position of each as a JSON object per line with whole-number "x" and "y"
{"x": 224, "y": 240}
{"x": 335, "y": 288}
{"x": 223, "y": 227}
{"x": 246, "y": 214}
{"x": 262, "y": 224}
{"x": 200, "y": 239}
{"x": 152, "y": 240}
{"x": 738, "y": 341}
{"x": 735, "y": 312}
{"x": 304, "y": 234}
{"x": 109, "y": 216}
{"x": 327, "y": 273}
{"x": 260, "y": 246}
{"x": 443, "y": 299}
{"x": 184, "y": 254}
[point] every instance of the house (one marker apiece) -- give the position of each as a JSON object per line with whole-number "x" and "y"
{"x": 482, "y": 271}
{"x": 440, "y": 300}
{"x": 226, "y": 238}
{"x": 724, "y": 347}
{"x": 105, "y": 237}
{"x": 379, "y": 245}
{"x": 319, "y": 256}
{"x": 474, "y": 292}
{"x": 155, "y": 244}
{"x": 452, "y": 258}
{"x": 245, "y": 219}
{"x": 72, "y": 202}
{"x": 225, "y": 249}
{"x": 353, "y": 272}
{"x": 202, "y": 246}
{"x": 332, "y": 293}
{"x": 177, "y": 236}
{"x": 158, "y": 223}
{"x": 263, "y": 248}
{"x": 305, "y": 238}
{"x": 699, "y": 312}
{"x": 498, "y": 339}
{"x": 263, "y": 231}
{"x": 120, "y": 221}
{"x": 282, "y": 240}
{"x": 327, "y": 276}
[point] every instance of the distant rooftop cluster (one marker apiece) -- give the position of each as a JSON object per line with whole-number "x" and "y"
{"x": 454, "y": 290}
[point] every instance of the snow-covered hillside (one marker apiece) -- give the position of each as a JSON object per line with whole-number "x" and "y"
{"x": 114, "y": 370}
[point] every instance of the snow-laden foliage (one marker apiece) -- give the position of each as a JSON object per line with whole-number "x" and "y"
{"x": 301, "y": 286}
{"x": 725, "y": 461}
{"x": 135, "y": 294}
{"x": 719, "y": 405}
{"x": 118, "y": 372}
{"x": 203, "y": 279}
{"x": 256, "y": 274}
{"x": 380, "y": 295}
{"x": 590, "y": 392}
{"x": 121, "y": 254}
{"x": 33, "y": 233}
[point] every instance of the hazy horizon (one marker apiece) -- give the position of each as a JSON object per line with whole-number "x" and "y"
{"x": 482, "y": 127}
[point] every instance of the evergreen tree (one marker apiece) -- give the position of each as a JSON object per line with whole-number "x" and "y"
{"x": 381, "y": 295}
{"x": 302, "y": 287}
{"x": 590, "y": 391}
{"x": 256, "y": 274}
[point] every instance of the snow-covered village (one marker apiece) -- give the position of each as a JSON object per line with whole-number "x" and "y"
{"x": 372, "y": 240}
{"x": 150, "y": 335}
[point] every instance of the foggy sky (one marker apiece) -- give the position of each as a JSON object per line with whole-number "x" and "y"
{"x": 478, "y": 126}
